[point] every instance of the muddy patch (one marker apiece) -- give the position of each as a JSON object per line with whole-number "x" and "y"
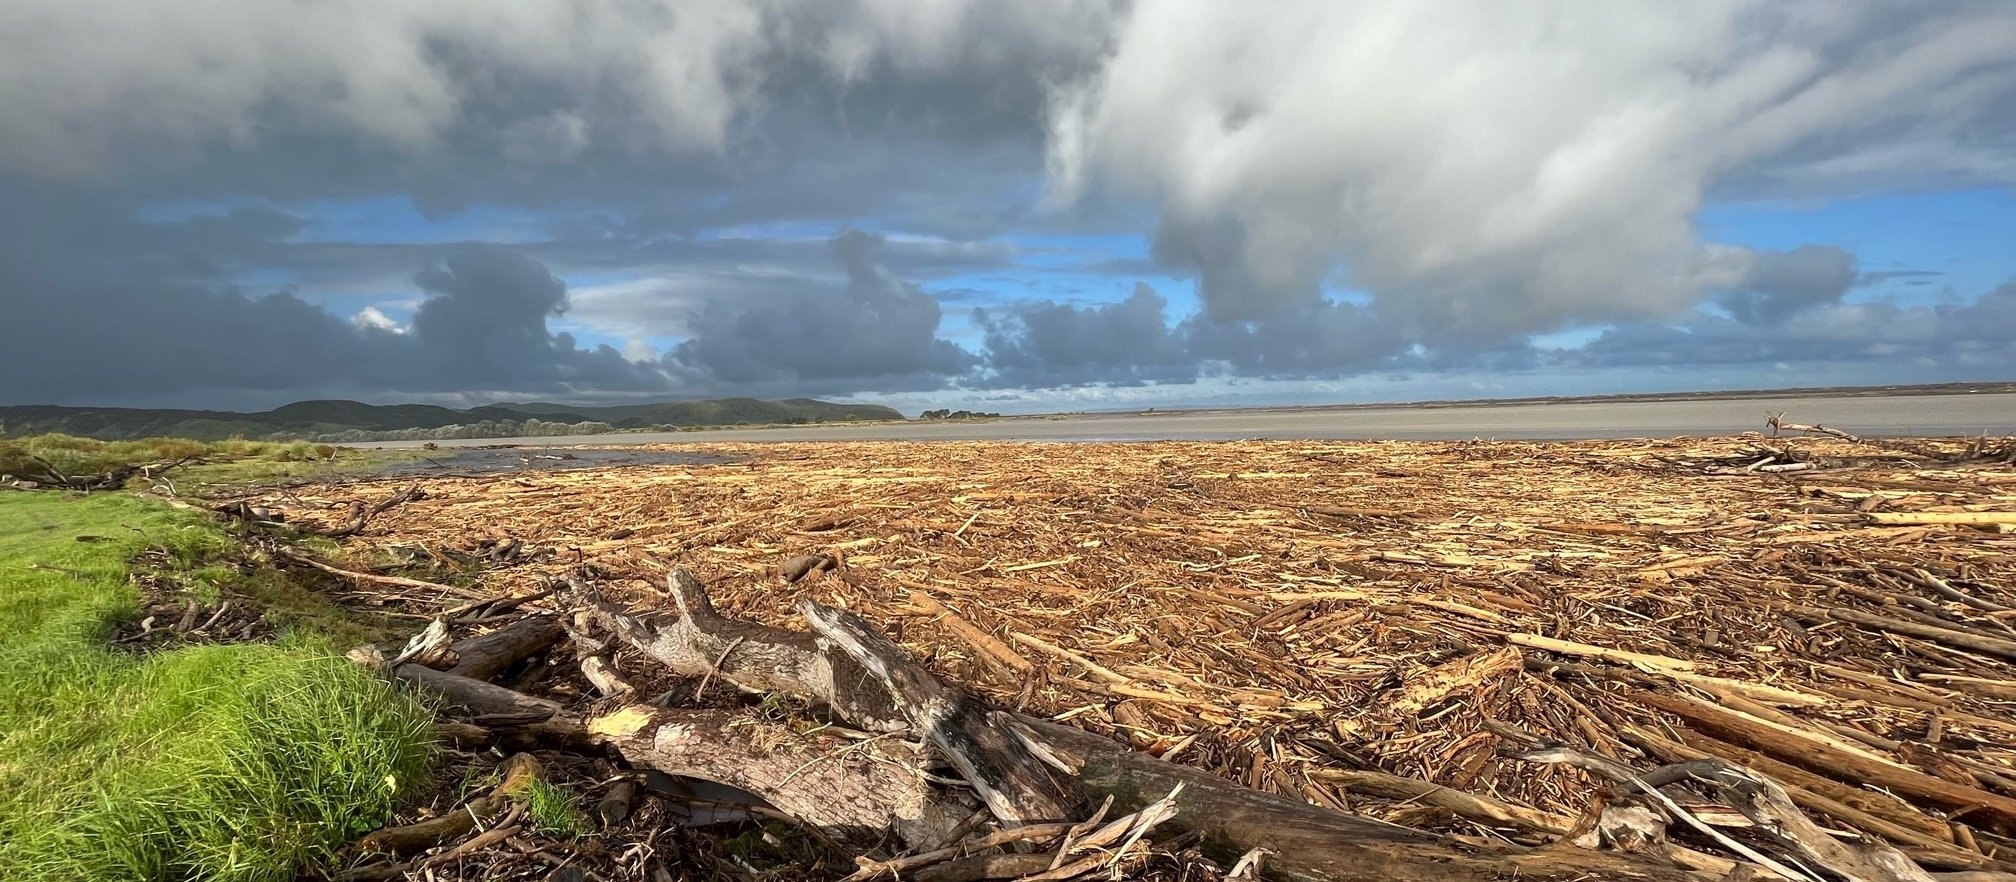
{"x": 472, "y": 461}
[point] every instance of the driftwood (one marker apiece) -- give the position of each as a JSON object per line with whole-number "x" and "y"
{"x": 484, "y": 657}
{"x": 1308, "y": 842}
{"x": 1184, "y": 598}
{"x": 1031, "y": 774}
{"x": 1832, "y": 760}
{"x": 1016, "y": 785}
{"x": 485, "y": 701}
{"x": 518, "y": 772}
{"x": 401, "y": 581}
{"x": 361, "y": 514}
{"x": 754, "y": 658}
{"x": 853, "y": 794}
{"x": 795, "y": 568}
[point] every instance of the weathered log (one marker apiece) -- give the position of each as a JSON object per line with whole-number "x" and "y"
{"x": 849, "y": 794}
{"x": 1948, "y": 636}
{"x": 1017, "y": 786}
{"x": 401, "y": 581}
{"x": 852, "y": 793}
{"x": 480, "y": 698}
{"x": 484, "y": 657}
{"x": 752, "y": 657}
{"x": 603, "y": 677}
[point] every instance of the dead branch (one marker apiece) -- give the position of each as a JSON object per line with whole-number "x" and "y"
{"x": 301, "y": 557}
{"x": 484, "y": 657}
{"x": 362, "y": 514}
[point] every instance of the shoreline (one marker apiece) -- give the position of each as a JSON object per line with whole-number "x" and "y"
{"x": 1876, "y": 415}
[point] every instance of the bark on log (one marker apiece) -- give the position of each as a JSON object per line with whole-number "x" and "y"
{"x": 1312, "y": 844}
{"x": 752, "y": 657}
{"x": 852, "y": 793}
{"x": 1016, "y": 786}
{"x": 484, "y": 657}
{"x": 484, "y": 699}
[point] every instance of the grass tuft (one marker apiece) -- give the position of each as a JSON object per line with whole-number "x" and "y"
{"x": 554, "y": 810}
{"x": 236, "y": 763}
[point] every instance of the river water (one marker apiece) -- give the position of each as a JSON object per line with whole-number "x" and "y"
{"x": 1958, "y": 414}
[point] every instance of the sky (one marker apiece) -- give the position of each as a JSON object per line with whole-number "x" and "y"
{"x": 1017, "y": 207}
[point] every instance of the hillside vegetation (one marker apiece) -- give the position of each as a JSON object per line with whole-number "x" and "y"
{"x": 339, "y": 420}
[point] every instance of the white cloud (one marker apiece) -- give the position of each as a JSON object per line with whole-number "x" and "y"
{"x": 370, "y": 317}
{"x": 1487, "y": 168}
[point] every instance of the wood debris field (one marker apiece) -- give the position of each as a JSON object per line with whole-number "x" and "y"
{"x": 1339, "y": 622}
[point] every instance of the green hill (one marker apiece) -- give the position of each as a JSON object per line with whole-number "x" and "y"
{"x": 355, "y": 420}
{"x": 712, "y": 412}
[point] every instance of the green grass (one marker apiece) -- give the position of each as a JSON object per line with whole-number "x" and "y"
{"x": 554, "y": 810}
{"x": 235, "y": 762}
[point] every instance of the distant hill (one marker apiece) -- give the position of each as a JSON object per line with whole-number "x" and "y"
{"x": 357, "y": 421}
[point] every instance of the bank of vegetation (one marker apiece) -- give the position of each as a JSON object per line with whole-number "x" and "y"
{"x": 227, "y": 761}
{"x": 338, "y": 420}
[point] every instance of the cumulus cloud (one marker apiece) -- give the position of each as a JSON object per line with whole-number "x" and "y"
{"x": 1967, "y": 340}
{"x": 1776, "y": 284}
{"x": 1044, "y": 343}
{"x": 534, "y": 82}
{"x": 162, "y": 323}
{"x": 1486, "y": 169}
{"x": 1352, "y": 187}
{"x": 876, "y": 328}
{"x": 372, "y": 317}
{"x": 484, "y": 322}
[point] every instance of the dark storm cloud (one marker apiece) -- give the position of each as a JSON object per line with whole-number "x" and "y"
{"x": 1043, "y": 343}
{"x": 1780, "y": 283}
{"x": 877, "y": 329}
{"x": 1317, "y": 339}
{"x": 484, "y": 324}
{"x": 99, "y": 305}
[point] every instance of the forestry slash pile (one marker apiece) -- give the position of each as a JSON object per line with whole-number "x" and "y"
{"x": 1781, "y": 655}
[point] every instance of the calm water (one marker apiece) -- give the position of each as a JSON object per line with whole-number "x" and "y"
{"x": 1869, "y": 415}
